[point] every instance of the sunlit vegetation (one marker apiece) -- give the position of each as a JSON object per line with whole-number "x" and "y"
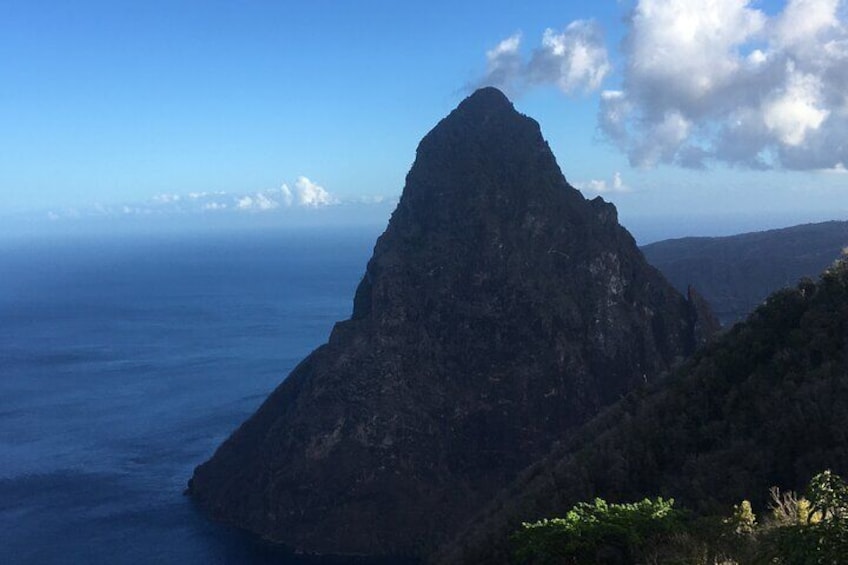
{"x": 809, "y": 529}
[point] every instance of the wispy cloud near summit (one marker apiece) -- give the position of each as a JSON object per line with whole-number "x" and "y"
{"x": 573, "y": 60}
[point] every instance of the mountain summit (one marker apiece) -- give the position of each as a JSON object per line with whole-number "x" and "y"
{"x": 499, "y": 309}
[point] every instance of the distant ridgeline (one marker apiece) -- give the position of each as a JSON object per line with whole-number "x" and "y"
{"x": 764, "y": 405}
{"x": 735, "y": 274}
{"x": 500, "y": 309}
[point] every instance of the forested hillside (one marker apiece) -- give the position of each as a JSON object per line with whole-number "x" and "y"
{"x": 736, "y": 273}
{"x": 764, "y": 405}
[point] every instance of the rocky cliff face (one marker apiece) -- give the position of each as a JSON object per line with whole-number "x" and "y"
{"x": 500, "y": 308}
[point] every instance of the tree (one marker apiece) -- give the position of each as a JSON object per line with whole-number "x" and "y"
{"x": 821, "y": 539}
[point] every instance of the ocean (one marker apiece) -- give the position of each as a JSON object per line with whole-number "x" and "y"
{"x": 124, "y": 363}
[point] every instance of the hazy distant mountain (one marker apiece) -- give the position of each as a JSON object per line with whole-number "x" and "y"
{"x": 765, "y": 404}
{"x": 736, "y": 273}
{"x": 500, "y": 308}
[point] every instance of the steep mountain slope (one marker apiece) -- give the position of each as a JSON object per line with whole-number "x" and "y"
{"x": 499, "y": 308}
{"x": 766, "y": 404}
{"x": 735, "y": 274}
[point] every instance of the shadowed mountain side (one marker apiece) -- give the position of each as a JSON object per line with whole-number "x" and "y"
{"x": 499, "y": 309}
{"x": 736, "y": 273}
{"x": 765, "y": 404}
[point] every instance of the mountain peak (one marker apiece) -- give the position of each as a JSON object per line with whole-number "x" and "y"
{"x": 487, "y": 99}
{"x": 483, "y": 160}
{"x": 486, "y": 113}
{"x": 500, "y": 309}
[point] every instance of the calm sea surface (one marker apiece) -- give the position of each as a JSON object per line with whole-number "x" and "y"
{"x": 125, "y": 362}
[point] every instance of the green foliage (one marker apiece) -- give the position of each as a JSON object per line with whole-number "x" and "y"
{"x": 600, "y": 532}
{"x": 743, "y": 521}
{"x": 822, "y": 543}
{"x": 829, "y": 496}
{"x": 798, "y": 531}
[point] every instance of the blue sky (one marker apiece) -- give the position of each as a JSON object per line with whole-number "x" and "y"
{"x": 124, "y": 106}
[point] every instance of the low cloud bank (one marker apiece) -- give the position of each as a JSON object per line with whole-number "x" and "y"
{"x": 304, "y": 194}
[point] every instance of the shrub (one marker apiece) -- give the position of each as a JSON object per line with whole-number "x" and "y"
{"x": 820, "y": 537}
{"x": 787, "y": 509}
{"x": 600, "y": 532}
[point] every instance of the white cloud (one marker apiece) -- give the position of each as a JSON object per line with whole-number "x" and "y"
{"x": 688, "y": 48}
{"x": 721, "y": 80}
{"x": 662, "y": 139}
{"x": 574, "y": 60}
{"x": 604, "y": 187}
{"x": 756, "y": 58}
{"x": 838, "y": 169}
{"x": 265, "y": 203}
{"x": 258, "y": 202}
{"x": 304, "y": 194}
{"x": 617, "y": 184}
{"x": 166, "y": 198}
{"x": 372, "y": 199}
{"x": 803, "y": 20}
{"x": 505, "y": 65}
{"x": 796, "y": 110}
{"x": 312, "y": 195}
{"x": 507, "y": 47}
{"x": 287, "y": 195}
